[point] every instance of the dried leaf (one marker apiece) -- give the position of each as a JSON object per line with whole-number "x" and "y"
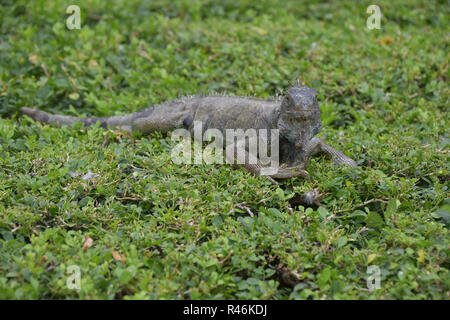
{"x": 93, "y": 64}
{"x": 260, "y": 31}
{"x": 387, "y": 40}
{"x": 371, "y": 258}
{"x": 34, "y": 58}
{"x": 118, "y": 256}
{"x": 87, "y": 243}
{"x": 421, "y": 257}
{"x": 145, "y": 55}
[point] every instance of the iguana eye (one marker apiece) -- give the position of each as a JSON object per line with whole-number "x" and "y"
{"x": 290, "y": 100}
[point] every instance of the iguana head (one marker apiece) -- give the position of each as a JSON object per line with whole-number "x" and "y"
{"x": 299, "y": 119}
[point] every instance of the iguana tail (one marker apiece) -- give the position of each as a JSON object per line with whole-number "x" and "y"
{"x": 123, "y": 122}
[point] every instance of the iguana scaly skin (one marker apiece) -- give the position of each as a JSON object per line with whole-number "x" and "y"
{"x": 296, "y": 114}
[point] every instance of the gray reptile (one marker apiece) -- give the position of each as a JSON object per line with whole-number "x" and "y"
{"x": 296, "y": 115}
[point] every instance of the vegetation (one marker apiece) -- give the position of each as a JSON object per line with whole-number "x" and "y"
{"x": 139, "y": 226}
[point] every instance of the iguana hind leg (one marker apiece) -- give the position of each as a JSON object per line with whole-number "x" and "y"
{"x": 162, "y": 123}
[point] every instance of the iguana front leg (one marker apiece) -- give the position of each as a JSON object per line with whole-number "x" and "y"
{"x": 291, "y": 172}
{"x": 317, "y": 146}
{"x": 238, "y": 156}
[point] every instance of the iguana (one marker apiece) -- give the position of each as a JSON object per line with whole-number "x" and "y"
{"x": 295, "y": 114}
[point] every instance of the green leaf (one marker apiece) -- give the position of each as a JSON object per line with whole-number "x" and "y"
{"x": 342, "y": 241}
{"x": 324, "y": 277}
{"x": 444, "y": 215}
{"x": 391, "y": 208}
{"x": 280, "y": 193}
{"x": 374, "y": 220}
{"x": 323, "y": 213}
{"x": 74, "y": 96}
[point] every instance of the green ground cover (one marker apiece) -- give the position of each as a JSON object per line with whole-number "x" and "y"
{"x": 144, "y": 227}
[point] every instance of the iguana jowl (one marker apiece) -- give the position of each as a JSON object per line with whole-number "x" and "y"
{"x": 296, "y": 115}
